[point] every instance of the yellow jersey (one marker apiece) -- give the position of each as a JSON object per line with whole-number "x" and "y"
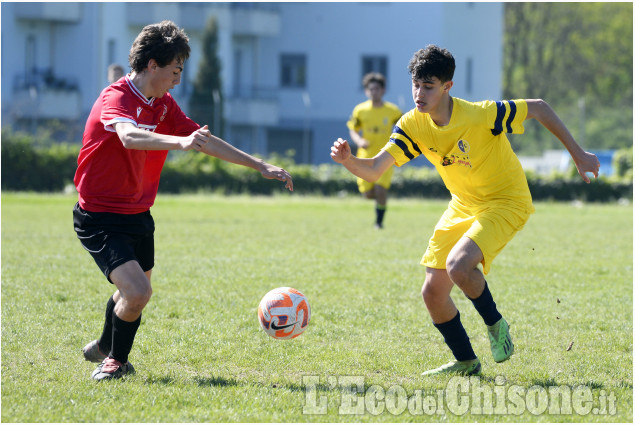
{"x": 375, "y": 125}
{"x": 471, "y": 153}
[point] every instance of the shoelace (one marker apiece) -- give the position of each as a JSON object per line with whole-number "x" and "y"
{"x": 110, "y": 365}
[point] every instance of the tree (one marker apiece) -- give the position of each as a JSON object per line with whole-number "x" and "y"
{"x": 579, "y": 58}
{"x": 206, "y": 101}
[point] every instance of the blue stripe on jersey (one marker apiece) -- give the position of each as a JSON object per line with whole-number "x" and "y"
{"x": 512, "y": 115}
{"x": 403, "y": 147}
{"x": 398, "y": 130}
{"x": 500, "y": 114}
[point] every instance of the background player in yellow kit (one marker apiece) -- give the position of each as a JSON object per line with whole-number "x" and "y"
{"x": 490, "y": 197}
{"x": 370, "y": 126}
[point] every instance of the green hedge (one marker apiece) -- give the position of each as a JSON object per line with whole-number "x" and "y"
{"x": 36, "y": 164}
{"x": 42, "y": 166}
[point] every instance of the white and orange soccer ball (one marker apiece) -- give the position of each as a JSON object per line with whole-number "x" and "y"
{"x": 284, "y": 313}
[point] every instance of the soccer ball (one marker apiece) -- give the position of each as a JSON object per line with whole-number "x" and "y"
{"x": 284, "y": 313}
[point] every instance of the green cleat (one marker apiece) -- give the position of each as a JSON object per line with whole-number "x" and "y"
{"x": 464, "y": 368}
{"x": 500, "y": 341}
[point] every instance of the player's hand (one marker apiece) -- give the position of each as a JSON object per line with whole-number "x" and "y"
{"x": 196, "y": 140}
{"x": 269, "y": 171}
{"x": 363, "y": 143}
{"x": 587, "y": 163}
{"x": 340, "y": 151}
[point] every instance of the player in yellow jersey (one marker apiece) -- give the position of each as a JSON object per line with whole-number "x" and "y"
{"x": 490, "y": 197}
{"x": 370, "y": 126}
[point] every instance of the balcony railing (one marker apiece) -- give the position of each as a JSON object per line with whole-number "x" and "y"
{"x": 253, "y": 105}
{"x": 68, "y": 12}
{"x": 254, "y": 92}
{"x": 40, "y": 94}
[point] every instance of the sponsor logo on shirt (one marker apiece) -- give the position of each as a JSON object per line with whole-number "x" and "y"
{"x": 139, "y": 109}
{"x": 456, "y": 159}
{"x": 464, "y": 146}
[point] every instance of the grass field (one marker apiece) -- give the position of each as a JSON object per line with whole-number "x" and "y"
{"x": 200, "y": 354}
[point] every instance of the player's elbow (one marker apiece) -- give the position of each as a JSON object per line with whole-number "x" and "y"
{"x": 536, "y": 108}
{"x": 127, "y": 142}
{"x": 131, "y": 139}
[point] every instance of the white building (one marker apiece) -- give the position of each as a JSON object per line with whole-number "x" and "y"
{"x": 291, "y": 72}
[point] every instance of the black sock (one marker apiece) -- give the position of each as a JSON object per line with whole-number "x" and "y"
{"x": 123, "y": 334}
{"x": 380, "y": 210}
{"x": 456, "y": 338}
{"x": 105, "y": 341}
{"x": 486, "y": 307}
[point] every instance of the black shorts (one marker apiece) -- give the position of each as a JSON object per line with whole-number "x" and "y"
{"x": 114, "y": 239}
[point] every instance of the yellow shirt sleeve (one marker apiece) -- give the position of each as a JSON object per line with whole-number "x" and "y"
{"x": 402, "y": 146}
{"x": 506, "y": 116}
{"x": 354, "y": 122}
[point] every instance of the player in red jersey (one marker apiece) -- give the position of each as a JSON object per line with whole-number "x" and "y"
{"x": 132, "y": 126}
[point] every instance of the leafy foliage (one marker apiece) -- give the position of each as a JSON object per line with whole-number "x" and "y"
{"x": 579, "y": 58}
{"x": 623, "y": 163}
{"x": 36, "y": 163}
{"x": 46, "y": 166}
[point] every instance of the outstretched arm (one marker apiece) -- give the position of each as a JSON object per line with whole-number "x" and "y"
{"x": 585, "y": 162}
{"x": 201, "y": 140}
{"x": 369, "y": 169}
{"x": 221, "y": 149}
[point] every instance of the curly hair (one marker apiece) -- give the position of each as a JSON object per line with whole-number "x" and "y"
{"x": 162, "y": 42}
{"x": 432, "y": 61}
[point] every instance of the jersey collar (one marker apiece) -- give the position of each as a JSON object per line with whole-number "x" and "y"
{"x": 138, "y": 93}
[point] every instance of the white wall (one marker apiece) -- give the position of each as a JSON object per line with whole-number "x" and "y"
{"x": 334, "y": 36}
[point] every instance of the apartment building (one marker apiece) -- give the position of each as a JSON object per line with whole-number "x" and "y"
{"x": 291, "y": 72}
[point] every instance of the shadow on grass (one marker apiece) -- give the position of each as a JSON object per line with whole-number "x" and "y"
{"x": 164, "y": 380}
{"x": 216, "y": 381}
{"x": 209, "y": 381}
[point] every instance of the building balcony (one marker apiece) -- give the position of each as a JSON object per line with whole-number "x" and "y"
{"x": 42, "y": 95}
{"x": 69, "y": 13}
{"x": 253, "y": 106}
{"x": 255, "y": 19}
{"x": 47, "y": 104}
{"x": 245, "y": 19}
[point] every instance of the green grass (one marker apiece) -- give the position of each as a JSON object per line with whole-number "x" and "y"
{"x": 200, "y": 354}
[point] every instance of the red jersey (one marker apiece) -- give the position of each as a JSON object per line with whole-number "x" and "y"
{"x": 111, "y": 178}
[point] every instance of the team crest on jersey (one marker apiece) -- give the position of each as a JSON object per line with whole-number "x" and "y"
{"x": 464, "y": 146}
{"x": 139, "y": 109}
{"x": 165, "y": 111}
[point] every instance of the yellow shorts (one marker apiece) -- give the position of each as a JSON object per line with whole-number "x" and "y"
{"x": 383, "y": 181}
{"x": 491, "y": 229}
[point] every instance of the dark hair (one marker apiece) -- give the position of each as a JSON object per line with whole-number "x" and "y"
{"x": 162, "y": 42}
{"x": 432, "y": 61}
{"x": 374, "y": 77}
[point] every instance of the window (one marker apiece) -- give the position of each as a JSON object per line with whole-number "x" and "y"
{"x": 293, "y": 70}
{"x": 112, "y": 51}
{"x": 374, "y": 64}
{"x": 30, "y": 54}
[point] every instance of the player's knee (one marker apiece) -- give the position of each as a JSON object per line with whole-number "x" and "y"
{"x": 457, "y": 271}
{"x": 138, "y": 298}
{"x": 431, "y": 294}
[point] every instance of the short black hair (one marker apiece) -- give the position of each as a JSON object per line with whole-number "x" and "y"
{"x": 162, "y": 42}
{"x": 432, "y": 61}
